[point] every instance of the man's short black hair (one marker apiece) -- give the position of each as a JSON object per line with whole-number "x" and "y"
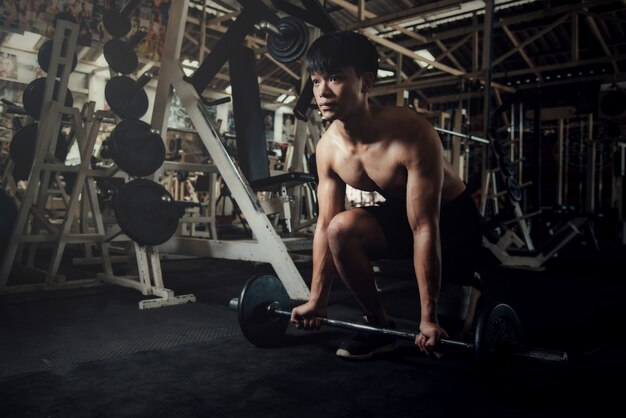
{"x": 337, "y": 50}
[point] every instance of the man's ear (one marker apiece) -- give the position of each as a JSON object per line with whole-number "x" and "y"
{"x": 368, "y": 81}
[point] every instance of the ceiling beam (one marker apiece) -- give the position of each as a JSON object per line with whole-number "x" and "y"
{"x": 262, "y": 87}
{"x": 521, "y": 51}
{"x": 575, "y": 38}
{"x": 407, "y": 52}
{"x": 519, "y": 18}
{"x": 605, "y": 48}
{"x": 282, "y": 66}
{"x": 396, "y": 17}
{"x": 442, "y": 56}
{"x": 357, "y": 11}
{"x": 531, "y": 39}
{"x": 563, "y": 65}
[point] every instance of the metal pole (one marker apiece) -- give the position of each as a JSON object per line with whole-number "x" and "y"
{"x": 559, "y": 190}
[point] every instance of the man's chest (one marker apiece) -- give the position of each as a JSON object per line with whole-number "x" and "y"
{"x": 371, "y": 171}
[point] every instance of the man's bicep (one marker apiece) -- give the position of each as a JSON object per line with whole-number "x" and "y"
{"x": 330, "y": 197}
{"x": 424, "y": 182}
{"x": 331, "y": 190}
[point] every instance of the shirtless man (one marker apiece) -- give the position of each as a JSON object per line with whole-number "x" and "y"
{"x": 428, "y": 215}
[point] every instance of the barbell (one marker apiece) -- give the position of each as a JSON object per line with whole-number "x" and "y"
{"x": 263, "y": 311}
{"x": 287, "y": 40}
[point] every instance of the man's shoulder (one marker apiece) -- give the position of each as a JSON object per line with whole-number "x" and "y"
{"x": 324, "y": 141}
{"x": 403, "y": 121}
{"x": 397, "y": 114}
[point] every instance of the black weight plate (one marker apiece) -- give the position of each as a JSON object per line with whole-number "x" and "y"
{"x": 254, "y": 320}
{"x": 32, "y": 98}
{"x": 135, "y": 148}
{"x": 498, "y": 330}
{"x": 515, "y": 193}
{"x": 116, "y": 24}
{"x": 20, "y": 172}
{"x": 120, "y": 57}
{"x": 146, "y": 212}
{"x": 8, "y": 215}
{"x": 120, "y": 94}
{"x": 62, "y": 147}
{"x": 22, "y": 146}
{"x": 292, "y": 43}
{"x": 43, "y": 58}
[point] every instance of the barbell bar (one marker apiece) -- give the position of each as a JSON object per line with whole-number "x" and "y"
{"x": 498, "y": 330}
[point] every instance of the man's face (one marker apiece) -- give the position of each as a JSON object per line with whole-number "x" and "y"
{"x": 337, "y": 94}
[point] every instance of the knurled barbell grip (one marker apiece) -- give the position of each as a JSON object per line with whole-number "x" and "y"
{"x": 537, "y": 355}
{"x": 272, "y": 310}
{"x": 444, "y": 344}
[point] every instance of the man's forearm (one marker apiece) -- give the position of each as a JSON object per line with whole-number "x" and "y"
{"x": 324, "y": 270}
{"x": 427, "y": 263}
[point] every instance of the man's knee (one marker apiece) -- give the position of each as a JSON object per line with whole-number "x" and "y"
{"x": 340, "y": 229}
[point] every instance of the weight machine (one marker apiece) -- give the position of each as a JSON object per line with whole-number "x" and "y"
{"x": 268, "y": 246}
{"x": 510, "y": 240}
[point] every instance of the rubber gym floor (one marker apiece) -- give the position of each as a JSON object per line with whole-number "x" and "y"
{"x": 92, "y": 353}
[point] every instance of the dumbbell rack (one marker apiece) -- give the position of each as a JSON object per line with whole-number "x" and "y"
{"x": 268, "y": 246}
{"x": 31, "y": 226}
{"x": 38, "y": 191}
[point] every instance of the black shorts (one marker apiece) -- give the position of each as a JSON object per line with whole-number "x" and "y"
{"x": 460, "y": 233}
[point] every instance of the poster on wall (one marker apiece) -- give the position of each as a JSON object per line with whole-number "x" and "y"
{"x": 268, "y": 119}
{"x": 179, "y": 119}
{"x": 230, "y": 122}
{"x": 38, "y": 16}
{"x": 8, "y": 66}
{"x": 13, "y": 93}
{"x": 289, "y": 127}
{"x": 9, "y": 15}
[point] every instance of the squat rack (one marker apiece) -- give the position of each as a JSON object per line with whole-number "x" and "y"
{"x": 268, "y": 246}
